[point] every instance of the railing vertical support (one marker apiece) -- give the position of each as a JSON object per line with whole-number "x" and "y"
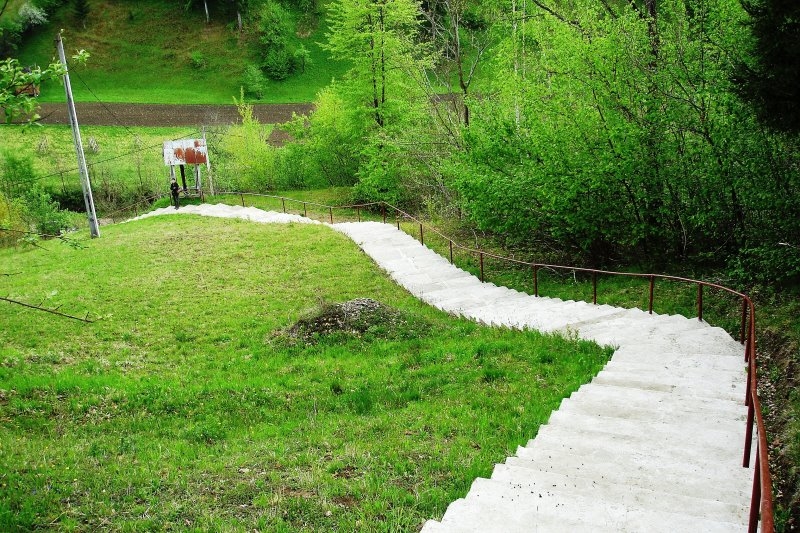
{"x": 652, "y": 288}
{"x": 536, "y": 280}
{"x": 136, "y": 209}
{"x": 481, "y": 254}
{"x": 242, "y": 197}
{"x": 594, "y": 288}
{"x": 305, "y": 210}
{"x": 747, "y": 398}
{"x": 748, "y": 436}
{"x": 397, "y": 219}
{"x": 383, "y": 213}
{"x": 358, "y": 213}
{"x": 330, "y": 210}
{"x": 283, "y": 203}
{"x": 755, "y": 500}
{"x": 421, "y": 237}
{"x": 744, "y": 320}
{"x": 451, "y": 251}
{"x": 700, "y": 302}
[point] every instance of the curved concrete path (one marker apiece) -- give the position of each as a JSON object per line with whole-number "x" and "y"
{"x": 653, "y": 443}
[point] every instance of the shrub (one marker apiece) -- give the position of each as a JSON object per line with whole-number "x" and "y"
{"x": 41, "y": 213}
{"x": 253, "y": 81}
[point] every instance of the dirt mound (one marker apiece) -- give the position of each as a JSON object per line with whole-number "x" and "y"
{"x": 355, "y": 318}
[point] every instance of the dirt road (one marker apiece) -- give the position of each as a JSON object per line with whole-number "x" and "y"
{"x": 108, "y": 114}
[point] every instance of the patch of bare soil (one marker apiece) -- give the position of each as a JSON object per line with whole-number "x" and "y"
{"x": 780, "y": 359}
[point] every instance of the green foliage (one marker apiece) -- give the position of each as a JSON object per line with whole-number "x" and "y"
{"x": 41, "y": 213}
{"x": 602, "y": 143}
{"x": 275, "y": 31}
{"x": 10, "y": 220}
{"x": 246, "y": 161}
{"x": 771, "y": 79}
{"x": 81, "y": 10}
{"x": 253, "y": 81}
{"x": 198, "y": 60}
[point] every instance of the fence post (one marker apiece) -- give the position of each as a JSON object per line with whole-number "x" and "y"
{"x": 397, "y": 219}
{"x": 536, "y": 280}
{"x": 700, "y": 302}
{"x": 383, "y": 213}
{"x": 652, "y": 286}
{"x": 421, "y": 237}
{"x": 358, "y": 213}
{"x": 481, "y": 253}
{"x": 305, "y": 210}
{"x": 242, "y": 197}
{"x": 451, "y": 251}
{"x": 283, "y": 203}
{"x": 330, "y": 210}
{"x": 594, "y": 288}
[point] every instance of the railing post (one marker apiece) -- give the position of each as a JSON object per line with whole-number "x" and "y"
{"x": 748, "y": 436}
{"x": 397, "y": 219}
{"x": 283, "y": 203}
{"x": 136, "y": 209}
{"x": 383, "y": 213}
{"x": 481, "y": 254}
{"x": 652, "y": 287}
{"x": 700, "y": 302}
{"x": 744, "y": 320}
{"x": 755, "y": 500}
{"x": 451, "y": 251}
{"x": 536, "y": 280}
{"x": 305, "y": 210}
{"x": 242, "y": 197}
{"x": 358, "y": 213}
{"x": 747, "y": 386}
{"x": 330, "y": 210}
{"x": 594, "y": 288}
{"x": 421, "y": 237}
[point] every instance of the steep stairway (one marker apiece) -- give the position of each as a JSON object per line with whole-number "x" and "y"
{"x": 653, "y": 443}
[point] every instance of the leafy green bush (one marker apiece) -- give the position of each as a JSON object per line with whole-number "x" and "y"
{"x": 41, "y": 213}
{"x": 253, "y": 81}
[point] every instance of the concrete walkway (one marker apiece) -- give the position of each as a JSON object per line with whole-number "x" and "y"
{"x": 653, "y": 443}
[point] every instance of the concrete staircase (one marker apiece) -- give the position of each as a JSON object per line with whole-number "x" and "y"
{"x": 653, "y": 443}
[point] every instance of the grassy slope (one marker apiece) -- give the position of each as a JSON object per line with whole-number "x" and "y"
{"x": 142, "y": 52}
{"x": 176, "y": 409}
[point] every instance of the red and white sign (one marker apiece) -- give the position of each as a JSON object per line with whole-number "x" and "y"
{"x": 185, "y": 152}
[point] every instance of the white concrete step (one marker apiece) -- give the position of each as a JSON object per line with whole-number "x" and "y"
{"x": 520, "y": 509}
{"x": 696, "y": 432}
{"x": 663, "y": 382}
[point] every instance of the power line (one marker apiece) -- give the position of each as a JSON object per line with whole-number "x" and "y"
{"x": 119, "y": 122}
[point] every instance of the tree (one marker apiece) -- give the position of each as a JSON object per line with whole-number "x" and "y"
{"x": 772, "y": 81}
{"x": 17, "y": 83}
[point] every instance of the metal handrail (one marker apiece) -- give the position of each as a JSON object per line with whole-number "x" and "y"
{"x": 761, "y": 503}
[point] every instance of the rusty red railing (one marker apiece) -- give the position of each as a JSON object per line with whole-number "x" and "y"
{"x": 761, "y": 503}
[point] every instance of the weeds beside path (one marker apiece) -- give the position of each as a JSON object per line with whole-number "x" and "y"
{"x": 117, "y": 114}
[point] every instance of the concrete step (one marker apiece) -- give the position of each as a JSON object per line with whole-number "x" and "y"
{"x": 726, "y": 485}
{"x": 696, "y": 432}
{"x": 677, "y": 447}
{"x": 683, "y": 386}
{"x": 522, "y": 508}
{"x": 538, "y": 481}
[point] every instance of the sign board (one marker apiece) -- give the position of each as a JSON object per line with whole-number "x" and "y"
{"x": 185, "y": 152}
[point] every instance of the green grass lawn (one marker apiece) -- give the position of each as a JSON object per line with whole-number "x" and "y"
{"x": 147, "y": 52}
{"x": 180, "y": 408}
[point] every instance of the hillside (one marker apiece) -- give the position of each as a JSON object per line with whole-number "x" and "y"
{"x": 157, "y": 52}
{"x": 183, "y": 406}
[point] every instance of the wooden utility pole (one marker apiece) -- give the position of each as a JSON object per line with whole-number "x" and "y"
{"x": 86, "y": 186}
